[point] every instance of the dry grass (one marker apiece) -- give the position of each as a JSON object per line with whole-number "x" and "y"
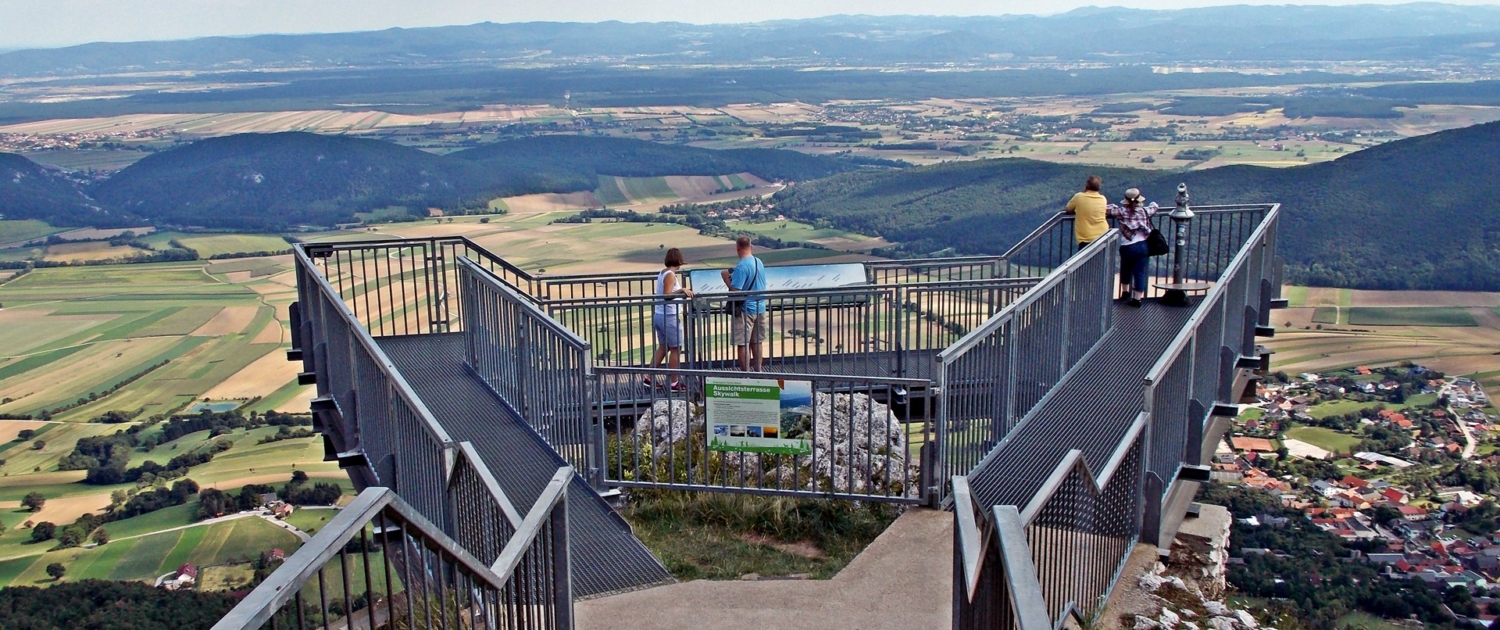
{"x": 66, "y": 510}
{"x": 550, "y": 202}
{"x": 261, "y": 377}
{"x": 9, "y": 428}
{"x": 230, "y": 320}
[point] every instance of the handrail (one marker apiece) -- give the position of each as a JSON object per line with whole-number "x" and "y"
{"x": 488, "y": 278}
{"x": 971, "y": 544}
{"x": 527, "y": 531}
{"x": 1057, "y": 275}
{"x": 362, "y": 335}
{"x": 1036, "y": 234}
{"x": 466, "y": 449}
{"x": 284, "y": 585}
{"x": 1075, "y": 458}
{"x": 985, "y": 283}
{"x": 1015, "y": 552}
{"x": 1241, "y": 258}
{"x": 789, "y": 376}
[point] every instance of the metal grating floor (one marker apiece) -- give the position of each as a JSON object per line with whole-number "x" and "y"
{"x": 1090, "y": 412}
{"x": 607, "y": 557}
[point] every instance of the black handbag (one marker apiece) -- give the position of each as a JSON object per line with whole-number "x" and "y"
{"x": 1156, "y": 244}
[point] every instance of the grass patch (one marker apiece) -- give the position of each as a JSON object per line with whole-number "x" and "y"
{"x": 166, "y": 518}
{"x": 1366, "y": 621}
{"x": 1296, "y": 296}
{"x": 310, "y": 521}
{"x": 1339, "y": 408}
{"x": 1410, "y": 316}
{"x": 1326, "y": 439}
{"x": 13, "y": 568}
{"x": 1325, "y": 315}
{"x": 724, "y": 536}
{"x": 24, "y": 230}
{"x": 146, "y": 558}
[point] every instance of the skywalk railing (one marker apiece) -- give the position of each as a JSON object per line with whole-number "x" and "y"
{"x": 533, "y": 363}
{"x": 860, "y": 330}
{"x": 380, "y": 564}
{"x": 844, "y": 437}
{"x": 1058, "y": 556}
{"x": 1213, "y": 237}
{"x": 1030, "y": 567}
{"x": 993, "y": 378}
{"x": 1197, "y": 370}
{"x": 381, "y": 419}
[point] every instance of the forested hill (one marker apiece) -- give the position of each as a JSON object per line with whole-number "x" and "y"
{"x": 623, "y": 157}
{"x": 29, "y": 191}
{"x": 1420, "y": 213}
{"x": 272, "y": 181}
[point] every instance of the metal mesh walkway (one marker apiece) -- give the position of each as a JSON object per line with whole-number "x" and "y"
{"x": 607, "y": 557}
{"x": 1090, "y": 411}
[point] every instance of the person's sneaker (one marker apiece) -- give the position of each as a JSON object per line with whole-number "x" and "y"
{"x": 648, "y": 382}
{"x": 1134, "y": 302}
{"x": 679, "y": 386}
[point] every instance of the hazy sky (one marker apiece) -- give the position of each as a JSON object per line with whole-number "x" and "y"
{"x": 29, "y": 23}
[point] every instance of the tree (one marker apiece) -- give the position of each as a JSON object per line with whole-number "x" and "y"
{"x": 298, "y": 476}
{"x": 57, "y": 570}
{"x": 100, "y": 537}
{"x": 25, "y": 434}
{"x": 43, "y": 532}
{"x": 118, "y": 498}
{"x": 38, "y": 445}
{"x": 33, "y": 501}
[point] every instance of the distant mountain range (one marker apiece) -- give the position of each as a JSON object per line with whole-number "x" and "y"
{"x": 1242, "y": 34}
{"x": 1419, "y": 213}
{"x": 271, "y": 182}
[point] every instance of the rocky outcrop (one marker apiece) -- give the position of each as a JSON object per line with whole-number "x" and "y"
{"x": 859, "y": 446}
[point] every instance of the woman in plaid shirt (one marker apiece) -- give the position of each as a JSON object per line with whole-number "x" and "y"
{"x": 1133, "y": 217}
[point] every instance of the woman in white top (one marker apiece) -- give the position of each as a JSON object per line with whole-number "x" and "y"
{"x": 664, "y": 316}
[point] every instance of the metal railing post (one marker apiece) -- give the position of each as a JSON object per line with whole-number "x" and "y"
{"x": 562, "y": 565}
{"x": 1182, "y": 218}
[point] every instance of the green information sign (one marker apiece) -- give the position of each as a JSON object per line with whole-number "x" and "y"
{"x": 751, "y": 415}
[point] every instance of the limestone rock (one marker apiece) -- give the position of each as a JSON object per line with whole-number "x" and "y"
{"x": 1168, "y": 618}
{"x": 1145, "y": 623}
{"x": 1216, "y": 609}
{"x": 1245, "y": 620}
{"x": 1150, "y": 582}
{"x": 1221, "y": 623}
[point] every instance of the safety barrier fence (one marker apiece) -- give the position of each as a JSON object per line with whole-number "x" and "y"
{"x": 837, "y": 436}
{"x": 533, "y": 363}
{"x": 1197, "y": 368}
{"x": 1060, "y": 555}
{"x": 380, "y": 419}
{"x": 379, "y": 563}
{"x": 1211, "y": 239}
{"x": 921, "y": 270}
{"x": 864, "y": 330}
{"x": 992, "y": 378}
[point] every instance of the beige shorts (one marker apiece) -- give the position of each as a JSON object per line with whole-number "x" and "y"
{"x": 753, "y": 326}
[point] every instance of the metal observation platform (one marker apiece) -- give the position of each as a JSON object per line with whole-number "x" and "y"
{"x": 490, "y": 416}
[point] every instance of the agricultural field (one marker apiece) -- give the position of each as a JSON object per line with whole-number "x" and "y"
{"x": 149, "y": 556}
{"x": 1457, "y": 333}
{"x": 148, "y": 338}
{"x": 1326, "y": 439}
{"x": 17, "y": 232}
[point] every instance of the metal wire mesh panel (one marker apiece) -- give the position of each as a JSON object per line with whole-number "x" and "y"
{"x": 861, "y": 435}
{"x": 380, "y": 564}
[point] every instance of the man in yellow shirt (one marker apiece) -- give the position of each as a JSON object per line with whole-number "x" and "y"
{"x": 1088, "y": 207}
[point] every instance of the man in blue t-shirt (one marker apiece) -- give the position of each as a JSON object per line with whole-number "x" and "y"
{"x": 748, "y": 326}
